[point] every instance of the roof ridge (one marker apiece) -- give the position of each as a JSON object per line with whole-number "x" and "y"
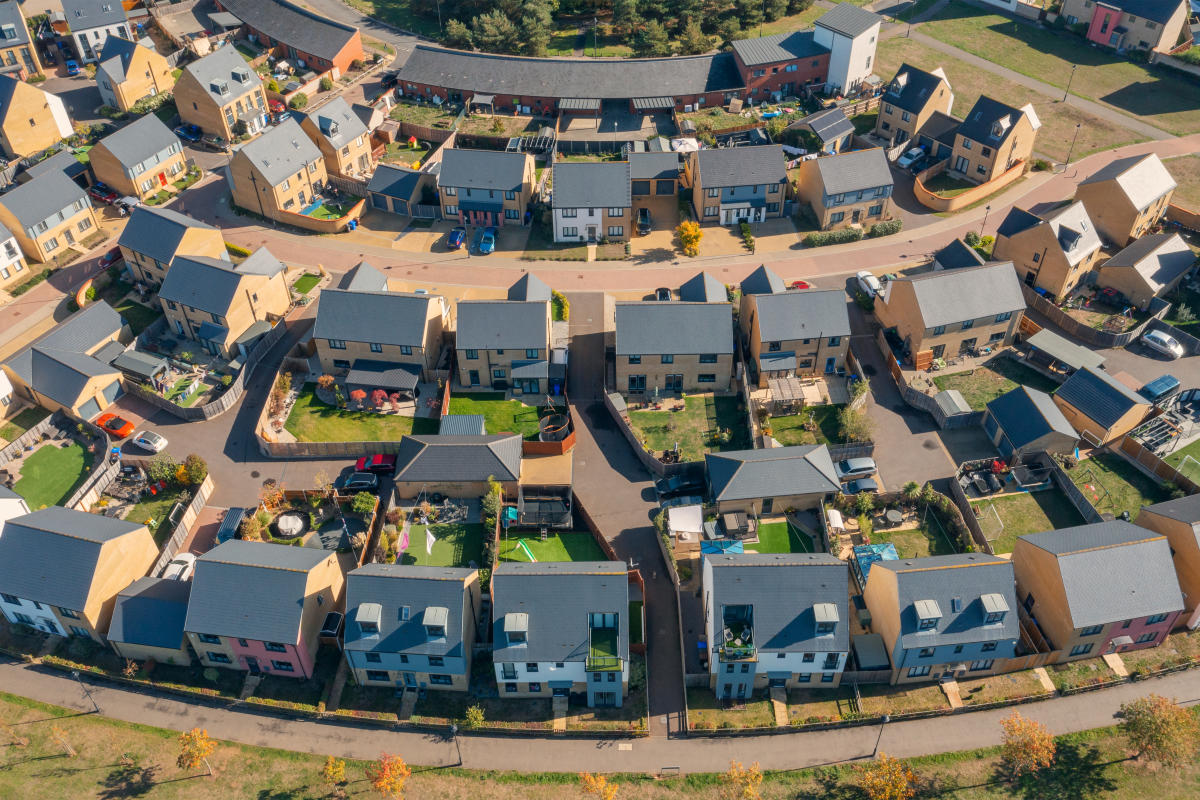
{"x": 1110, "y": 546}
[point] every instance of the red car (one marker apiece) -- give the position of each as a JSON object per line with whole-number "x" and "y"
{"x": 276, "y": 106}
{"x": 116, "y": 427}
{"x": 800, "y": 285}
{"x": 380, "y": 464}
{"x": 110, "y": 258}
{"x": 104, "y": 194}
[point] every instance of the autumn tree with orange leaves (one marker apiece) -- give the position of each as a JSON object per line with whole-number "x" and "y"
{"x": 598, "y": 786}
{"x": 1028, "y": 747}
{"x": 888, "y": 778}
{"x": 388, "y": 776}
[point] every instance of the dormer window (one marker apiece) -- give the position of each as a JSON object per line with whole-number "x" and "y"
{"x": 516, "y": 628}
{"x": 367, "y": 617}
{"x": 516, "y": 637}
{"x": 995, "y": 607}
{"x": 434, "y": 619}
{"x": 435, "y": 631}
{"x": 928, "y": 614}
{"x": 369, "y": 627}
{"x": 826, "y": 616}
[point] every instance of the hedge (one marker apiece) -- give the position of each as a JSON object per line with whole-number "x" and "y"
{"x": 237, "y": 250}
{"x": 822, "y": 238}
{"x": 886, "y": 228}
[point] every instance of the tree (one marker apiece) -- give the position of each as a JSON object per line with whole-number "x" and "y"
{"x": 195, "y": 747}
{"x": 358, "y": 395}
{"x": 741, "y": 783}
{"x": 598, "y": 786}
{"x": 689, "y": 234}
{"x": 473, "y": 717}
{"x": 298, "y": 101}
{"x": 495, "y": 32}
{"x": 888, "y": 778}
{"x": 625, "y": 17}
{"x": 1161, "y": 730}
{"x": 911, "y": 491}
{"x": 240, "y": 128}
{"x": 250, "y": 529}
{"x": 162, "y": 468}
{"x": 458, "y": 35}
{"x": 651, "y": 41}
{"x": 378, "y": 398}
{"x": 693, "y": 40}
{"x": 334, "y": 771}
{"x": 750, "y": 15}
{"x": 363, "y": 503}
{"x": 776, "y": 9}
{"x": 728, "y": 29}
{"x": 196, "y": 469}
{"x": 273, "y": 86}
{"x": 388, "y": 776}
{"x": 1027, "y": 748}
{"x": 536, "y": 23}
{"x": 855, "y": 424}
{"x": 326, "y": 382}
{"x": 797, "y": 6}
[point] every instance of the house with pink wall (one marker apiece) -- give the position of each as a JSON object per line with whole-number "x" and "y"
{"x": 1157, "y": 25}
{"x": 259, "y": 607}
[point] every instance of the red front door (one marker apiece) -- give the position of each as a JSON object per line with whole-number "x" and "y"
{"x": 162, "y": 179}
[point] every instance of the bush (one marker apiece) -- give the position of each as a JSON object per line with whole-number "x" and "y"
{"x": 747, "y": 235}
{"x": 91, "y": 293}
{"x": 273, "y": 86}
{"x": 195, "y": 469}
{"x": 250, "y": 529}
{"x": 326, "y": 83}
{"x": 560, "y": 306}
{"x": 364, "y": 503}
{"x": 108, "y": 112}
{"x": 1040, "y": 165}
{"x": 1191, "y": 56}
{"x": 299, "y": 101}
{"x": 237, "y": 250}
{"x": 689, "y": 237}
{"x": 152, "y": 103}
{"x": 822, "y": 238}
{"x": 17, "y": 291}
{"x": 226, "y": 380}
{"x": 239, "y": 129}
{"x": 39, "y": 78}
{"x": 356, "y": 64}
{"x": 886, "y": 228}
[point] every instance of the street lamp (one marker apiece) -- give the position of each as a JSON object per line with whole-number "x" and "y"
{"x": 886, "y": 719}
{"x": 75, "y": 675}
{"x": 457, "y": 746}
{"x": 1071, "y": 78}
{"x": 1072, "y": 149}
{"x": 986, "y": 209}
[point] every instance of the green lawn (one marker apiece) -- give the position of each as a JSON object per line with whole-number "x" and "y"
{"x": 707, "y": 713}
{"x": 179, "y": 394}
{"x": 1186, "y": 172}
{"x": 1032, "y": 512}
{"x": 305, "y": 283}
{"x": 819, "y": 705}
{"x": 635, "y": 621}
{"x": 152, "y": 512}
{"x": 568, "y": 546}
{"x": 328, "y": 211}
{"x": 51, "y": 473}
{"x": 781, "y": 537}
{"x": 917, "y": 542}
{"x": 1189, "y": 467}
{"x": 715, "y": 120}
{"x": 427, "y": 116}
{"x": 311, "y": 420}
{"x": 540, "y": 246}
{"x": 696, "y": 427}
{"x": 1114, "y": 485}
{"x": 401, "y": 153}
{"x": 984, "y": 384}
{"x": 790, "y": 430}
{"x": 139, "y": 316}
{"x": 500, "y": 415}
{"x": 455, "y": 545}
{"x": 23, "y": 421}
{"x": 945, "y": 185}
{"x": 791, "y": 22}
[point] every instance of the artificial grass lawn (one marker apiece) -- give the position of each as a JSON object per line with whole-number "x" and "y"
{"x": 1186, "y": 172}
{"x": 1190, "y": 468}
{"x": 985, "y": 383}
{"x": 51, "y": 473}
{"x": 790, "y": 430}
{"x": 455, "y": 545}
{"x": 706, "y": 712}
{"x": 1114, "y": 485}
{"x": 152, "y": 511}
{"x": 602, "y": 644}
{"x": 312, "y": 420}
{"x": 22, "y": 422}
{"x": 1030, "y": 512}
{"x": 568, "y": 546}
{"x": 500, "y": 415}
{"x": 179, "y": 394}
{"x": 328, "y": 211}
{"x": 781, "y": 537}
{"x": 694, "y": 427}
{"x": 305, "y": 283}
{"x": 917, "y": 542}
{"x": 635, "y": 621}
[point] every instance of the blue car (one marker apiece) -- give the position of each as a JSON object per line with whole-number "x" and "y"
{"x": 456, "y": 238}
{"x": 72, "y": 67}
{"x": 487, "y": 243}
{"x": 189, "y": 133}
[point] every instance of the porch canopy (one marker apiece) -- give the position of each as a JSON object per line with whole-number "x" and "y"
{"x": 579, "y": 104}
{"x": 210, "y": 332}
{"x": 653, "y": 103}
{"x": 481, "y": 205}
{"x": 1065, "y": 351}
{"x": 384, "y": 375}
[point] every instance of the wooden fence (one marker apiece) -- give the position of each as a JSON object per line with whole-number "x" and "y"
{"x": 184, "y": 527}
{"x": 922, "y": 401}
{"x": 1138, "y": 452}
{"x": 656, "y": 468}
{"x": 1064, "y": 483}
{"x": 1086, "y": 333}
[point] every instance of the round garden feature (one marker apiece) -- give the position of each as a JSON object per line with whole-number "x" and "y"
{"x": 291, "y": 524}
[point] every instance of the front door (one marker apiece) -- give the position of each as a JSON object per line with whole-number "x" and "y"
{"x": 473, "y": 377}
{"x": 70, "y": 237}
{"x": 591, "y": 233}
{"x": 855, "y": 216}
{"x": 767, "y": 504}
{"x": 252, "y": 665}
{"x": 162, "y": 179}
{"x": 410, "y": 680}
{"x": 831, "y": 365}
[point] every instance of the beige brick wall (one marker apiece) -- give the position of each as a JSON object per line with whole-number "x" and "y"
{"x": 269, "y": 200}
{"x": 110, "y": 171}
{"x": 688, "y": 366}
{"x": 148, "y": 74}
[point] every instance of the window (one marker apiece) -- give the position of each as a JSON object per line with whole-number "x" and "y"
{"x": 996, "y": 337}
{"x": 1146, "y": 637}
{"x": 78, "y": 631}
{"x": 988, "y": 647}
{"x": 824, "y": 628}
{"x": 939, "y": 330}
{"x": 283, "y": 666}
{"x": 596, "y": 676}
{"x": 510, "y": 195}
{"x": 341, "y": 363}
{"x": 918, "y": 672}
{"x": 616, "y": 230}
{"x": 531, "y": 667}
{"x": 51, "y": 244}
{"x": 836, "y": 217}
{"x": 373, "y": 658}
{"x": 804, "y": 677}
{"x": 336, "y": 344}
{"x": 449, "y": 191}
{"x": 403, "y": 658}
{"x": 968, "y": 324}
{"x": 993, "y": 618}
{"x": 218, "y": 658}
{"x": 1081, "y": 649}
{"x": 981, "y": 169}
{"x": 774, "y": 347}
{"x": 560, "y": 665}
{"x": 208, "y": 638}
{"x": 966, "y": 144}
{"x": 12, "y": 601}
{"x": 706, "y": 377}
{"x": 510, "y": 687}
{"x": 512, "y": 213}
{"x": 958, "y": 648}
{"x": 1037, "y": 257}
{"x": 1007, "y": 315}
{"x": 668, "y": 358}
{"x": 905, "y": 116}
{"x": 772, "y": 188}
{"x": 24, "y": 619}
{"x": 499, "y": 373}
{"x": 380, "y": 675}
{"x": 808, "y": 658}
{"x": 710, "y": 211}
{"x": 875, "y": 210}
{"x": 274, "y": 647}
{"x": 441, "y": 680}
{"x": 729, "y": 668}
{"x": 616, "y": 212}
{"x": 827, "y": 677}
{"x": 472, "y": 355}
{"x": 745, "y": 667}
{"x": 1092, "y": 630}
{"x": 405, "y": 613}
{"x": 570, "y": 231}
{"x": 437, "y": 661}
{"x": 285, "y": 185}
{"x": 708, "y": 358}
{"x": 451, "y": 211}
{"x": 376, "y": 347}
{"x": 715, "y": 192}
{"x": 926, "y": 652}
{"x": 570, "y": 213}
{"x": 406, "y": 350}
{"x": 979, "y": 666}
{"x": 1157, "y": 618}
{"x": 635, "y": 359}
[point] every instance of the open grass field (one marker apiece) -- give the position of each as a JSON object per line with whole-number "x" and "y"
{"x": 985, "y": 383}
{"x": 567, "y": 546}
{"x": 695, "y": 427}
{"x": 791, "y": 430}
{"x": 1114, "y": 485}
{"x": 312, "y": 420}
{"x": 781, "y": 537}
{"x": 25, "y": 419}
{"x": 1031, "y": 512}
{"x": 454, "y": 545}
{"x": 51, "y": 473}
{"x": 500, "y": 415}
{"x": 1186, "y": 172}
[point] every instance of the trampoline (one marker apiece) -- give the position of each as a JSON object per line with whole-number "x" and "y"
{"x": 720, "y": 546}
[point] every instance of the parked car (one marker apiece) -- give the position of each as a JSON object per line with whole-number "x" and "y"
{"x": 643, "y": 221}
{"x": 918, "y": 165}
{"x": 677, "y": 485}
{"x": 72, "y": 67}
{"x": 860, "y": 486}
{"x": 869, "y": 283}
{"x": 456, "y": 238}
{"x": 180, "y": 568}
{"x": 905, "y": 161}
{"x": 149, "y": 440}
{"x": 101, "y": 192}
{"x": 276, "y": 106}
{"x": 487, "y": 242}
{"x": 359, "y": 482}
{"x": 48, "y": 56}
{"x": 662, "y": 294}
{"x": 380, "y": 464}
{"x": 127, "y": 204}
{"x": 390, "y": 79}
{"x": 1161, "y": 389}
{"x": 110, "y": 258}
{"x": 115, "y": 426}
{"x": 283, "y": 117}
{"x": 799, "y": 285}
{"x": 189, "y": 133}
{"x": 854, "y": 468}
{"x": 1167, "y": 345}
{"x": 215, "y": 143}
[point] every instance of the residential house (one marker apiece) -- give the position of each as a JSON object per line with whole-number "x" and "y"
{"x": 63, "y": 161}
{"x": 400, "y": 189}
{"x": 61, "y": 570}
{"x": 297, "y": 34}
{"x": 131, "y": 71}
{"x": 153, "y": 237}
{"x": 957, "y": 255}
{"x": 504, "y": 344}
{"x": 852, "y": 188}
{"x": 411, "y": 627}
{"x": 1127, "y": 197}
{"x": 831, "y": 128}
{"x": 953, "y": 312}
{"x": 944, "y": 616}
{"x": 653, "y": 175}
{"x": 1150, "y": 267}
{"x": 458, "y": 465}
{"x": 220, "y": 90}
{"x": 673, "y": 347}
{"x": 1025, "y": 420}
{"x": 1093, "y": 589}
{"x": 764, "y": 482}
{"x": 379, "y": 329}
{"x": 279, "y": 173}
{"x": 1099, "y": 407}
{"x": 363, "y": 277}
{"x": 11, "y": 504}
{"x": 259, "y": 607}
{"x": 910, "y": 101}
{"x": 1159, "y": 26}
{"x": 592, "y": 201}
{"x": 795, "y": 333}
{"x": 703, "y": 288}
{"x": 225, "y": 307}
{"x": 15, "y": 44}
{"x": 1179, "y": 521}
{"x": 782, "y": 64}
{"x": 47, "y": 215}
{"x": 850, "y": 34}
{"x": 486, "y": 187}
{"x": 560, "y": 628}
{"x": 91, "y": 22}
{"x": 147, "y": 621}
{"x": 735, "y": 184}
{"x": 343, "y": 139}
{"x": 529, "y": 287}
{"x": 776, "y": 620}
{"x": 139, "y": 159}
{"x": 992, "y": 139}
{"x": 31, "y": 119}
{"x": 1052, "y": 253}
{"x": 12, "y": 260}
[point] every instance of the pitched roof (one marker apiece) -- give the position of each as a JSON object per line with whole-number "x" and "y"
{"x": 42, "y": 198}
{"x": 1159, "y": 11}
{"x": 338, "y": 123}
{"x": 281, "y": 152}
{"x": 679, "y": 328}
{"x": 157, "y": 232}
{"x": 741, "y": 166}
{"x": 384, "y": 317}
{"x": 703, "y": 288}
{"x": 948, "y": 296}
{"x": 394, "y": 181}
{"x": 785, "y": 46}
{"x": 762, "y": 281}
{"x": 10, "y": 14}
{"x": 558, "y": 597}
{"x": 211, "y": 284}
{"x": 957, "y": 255}
{"x": 829, "y": 125}
{"x": 1098, "y": 395}
{"x": 589, "y": 184}
{"x": 849, "y": 20}
{"x": 51, "y": 555}
{"x": 803, "y": 314}
{"x": 63, "y": 161}
{"x": 252, "y": 590}
{"x": 150, "y": 612}
{"x": 139, "y": 140}
{"x": 529, "y": 287}
{"x": 777, "y": 472}
{"x": 1183, "y": 509}
{"x": 990, "y": 121}
{"x": 1112, "y": 571}
{"x": 784, "y": 589}
{"x": 115, "y": 57}
{"x": 224, "y": 67}
{"x": 656, "y": 166}
{"x": 86, "y": 14}
{"x": 502, "y": 324}
{"x": 1142, "y": 179}
{"x": 1158, "y": 258}
{"x": 436, "y": 459}
{"x": 295, "y": 26}
{"x": 1026, "y": 415}
{"x": 912, "y": 88}
{"x": 363, "y": 277}
{"x": 940, "y": 127}
{"x": 57, "y": 365}
{"x": 1017, "y": 220}
{"x": 854, "y": 171}
{"x": 482, "y": 169}
{"x": 1071, "y": 227}
{"x": 390, "y": 587}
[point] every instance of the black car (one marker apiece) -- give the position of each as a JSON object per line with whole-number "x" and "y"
{"x": 662, "y": 294}
{"x": 643, "y": 221}
{"x": 678, "y": 486}
{"x": 390, "y": 79}
{"x": 359, "y": 482}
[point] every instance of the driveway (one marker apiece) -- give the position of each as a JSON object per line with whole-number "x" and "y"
{"x": 80, "y": 95}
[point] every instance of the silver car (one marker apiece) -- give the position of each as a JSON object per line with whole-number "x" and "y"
{"x": 1163, "y": 343}
{"x": 851, "y": 468}
{"x": 149, "y": 440}
{"x": 869, "y": 284}
{"x": 181, "y": 567}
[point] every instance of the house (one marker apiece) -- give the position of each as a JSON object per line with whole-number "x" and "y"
{"x": 732, "y": 184}
{"x": 852, "y": 188}
{"x": 1093, "y": 589}
{"x": 259, "y": 607}
{"x": 11, "y": 504}
{"x": 1179, "y": 521}
{"x": 781, "y": 64}
{"x": 69, "y": 367}
{"x": 673, "y": 347}
{"x": 592, "y": 201}
{"x": 361, "y": 329}
{"x": 412, "y": 627}
{"x": 147, "y": 621}
{"x": 703, "y": 288}
{"x": 400, "y": 189}
{"x": 653, "y": 175}
{"x": 1051, "y": 253}
{"x": 63, "y": 161}
{"x": 140, "y": 159}
{"x": 763, "y": 482}
{"x": 153, "y": 237}
{"x": 1127, "y": 197}
{"x": 295, "y": 33}
{"x": 831, "y": 128}
{"x": 504, "y": 344}
{"x": 530, "y": 287}
{"x": 225, "y": 307}
{"x": 486, "y": 187}
{"x": 850, "y": 34}
{"x": 796, "y": 333}
{"x": 910, "y": 101}
{"x": 343, "y": 139}
{"x": 560, "y": 628}
{"x": 457, "y": 465}
{"x": 279, "y": 173}
{"x": 776, "y": 620}
{"x": 953, "y": 312}
{"x": 1099, "y": 407}
{"x": 91, "y": 22}
{"x": 1024, "y": 421}
{"x": 219, "y": 91}
{"x": 12, "y": 260}
{"x": 363, "y": 277}
{"x": 15, "y": 44}
{"x": 944, "y": 616}
{"x": 130, "y": 71}
{"x": 957, "y": 255}
{"x": 31, "y": 119}
{"x": 1158, "y": 26}
{"x": 47, "y": 215}
{"x": 992, "y": 139}
{"x": 61, "y": 570}
{"x": 1150, "y": 267}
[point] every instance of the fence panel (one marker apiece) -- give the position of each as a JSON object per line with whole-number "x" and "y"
{"x": 184, "y": 529}
{"x": 960, "y": 499}
{"x": 1083, "y": 331}
{"x": 1068, "y": 487}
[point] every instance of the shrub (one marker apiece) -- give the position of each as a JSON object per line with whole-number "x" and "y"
{"x": 473, "y": 718}
{"x": 364, "y": 503}
{"x": 689, "y": 237}
{"x": 91, "y": 293}
{"x": 226, "y": 380}
{"x": 560, "y": 306}
{"x": 152, "y": 103}
{"x": 237, "y": 250}
{"x": 108, "y": 112}
{"x": 1041, "y": 165}
{"x": 299, "y": 101}
{"x": 250, "y": 529}
{"x": 39, "y": 78}
{"x": 162, "y": 468}
{"x": 886, "y": 228}
{"x": 356, "y": 64}
{"x": 196, "y": 469}
{"x": 747, "y": 235}
{"x": 17, "y": 291}
{"x": 273, "y": 86}
{"x": 822, "y": 238}
{"x": 326, "y": 83}
{"x": 240, "y": 128}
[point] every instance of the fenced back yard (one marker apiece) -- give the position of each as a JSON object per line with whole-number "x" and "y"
{"x": 985, "y": 383}
{"x": 1114, "y": 485}
{"x": 1004, "y": 519}
{"x": 705, "y": 424}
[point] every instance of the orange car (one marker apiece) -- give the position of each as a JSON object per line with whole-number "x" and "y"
{"x": 116, "y": 427}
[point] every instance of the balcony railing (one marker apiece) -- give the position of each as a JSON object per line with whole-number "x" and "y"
{"x": 738, "y": 652}
{"x": 603, "y": 664}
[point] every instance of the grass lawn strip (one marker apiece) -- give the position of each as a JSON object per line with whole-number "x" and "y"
{"x": 312, "y": 420}
{"x": 16, "y": 427}
{"x": 985, "y": 383}
{"x": 1000, "y": 688}
{"x": 51, "y": 473}
{"x": 305, "y": 283}
{"x": 1177, "y": 648}
{"x": 789, "y": 430}
{"x": 1186, "y": 172}
{"x": 694, "y": 427}
{"x": 879, "y": 699}
{"x": 819, "y": 705}
{"x": 1030, "y": 512}
{"x": 916, "y": 542}
{"x": 1114, "y": 485}
{"x": 635, "y": 621}
{"x": 455, "y": 545}
{"x": 567, "y": 546}
{"x": 781, "y": 537}
{"x": 500, "y": 415}
{"x": 1085, "y": 672}
{"x": 707, "y": 713}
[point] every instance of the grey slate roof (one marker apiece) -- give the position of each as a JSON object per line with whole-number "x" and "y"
{"x": 394, "y": 181}
{"x": 482, "y": 169}
{"x": 1158, "y": 258}
{"x": 157, "y": 232}
{"x": 338, "y": 123}
{"x": 1098, "y": 395}
{"x": 392, "y": 586}
{"x": 777, "y": 472}
{"x": 150, "y": 612}
{"x": 10, "y": 14}
{"x": 223, "y": 65}
{"x": 803, "y": 314}
{"x": 363, "y": 277}
{"x": 211, "y": 284}
{"x": 64, "y": 161}
{"x": 42, "y": 198}
{"x": 1027, "y": 414}
{"x": 281, "y": 152}
{"x": 252, "y": 590}
{"x": 57, "y": 364}
{"x": 1143, "y": 179}
{"x": 92, "y": 13}
{"x": 436, "y": 459}
{"x": 592, "y": 185}
{"x": 462, "y": 425}
{"x": 955, "y": 295}
{"x": 654, "y": 166}
{"x": 1112, "y": 571}
{"x": 741, "y": 166}
{"x": 958, "y": 255}
{"x": 1064, "y": 350}
{"x": 679, "y": 328}
{"x": 829, "y": 125}
{"x": 703, "y": 288}
{"x": 1160, "y": 11}
{"x": 558, "y": 596}
{"x": 967, "y": 576}
{"x": 503, "y": 324}
{"x": 51, "y": 555}
{"x": 115, "y": 57}
{"x": 785, "y": 46}
{"x": 854, "y": 171}
{"x": 1184, "y": 509}
{"x": 979, "y": 123}
{"x": 384, "y": 317}
{"x": 529, "y": 287}
{"x": 849, "y": 21}
{"x": 762, "y": 281}
{"x": 1017, "y": 220}
{"x": 140, "y": 140}
{"x": 295, "y": 26}
{"x": 911, "y": 88}
{"x": 783, "y": 588}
